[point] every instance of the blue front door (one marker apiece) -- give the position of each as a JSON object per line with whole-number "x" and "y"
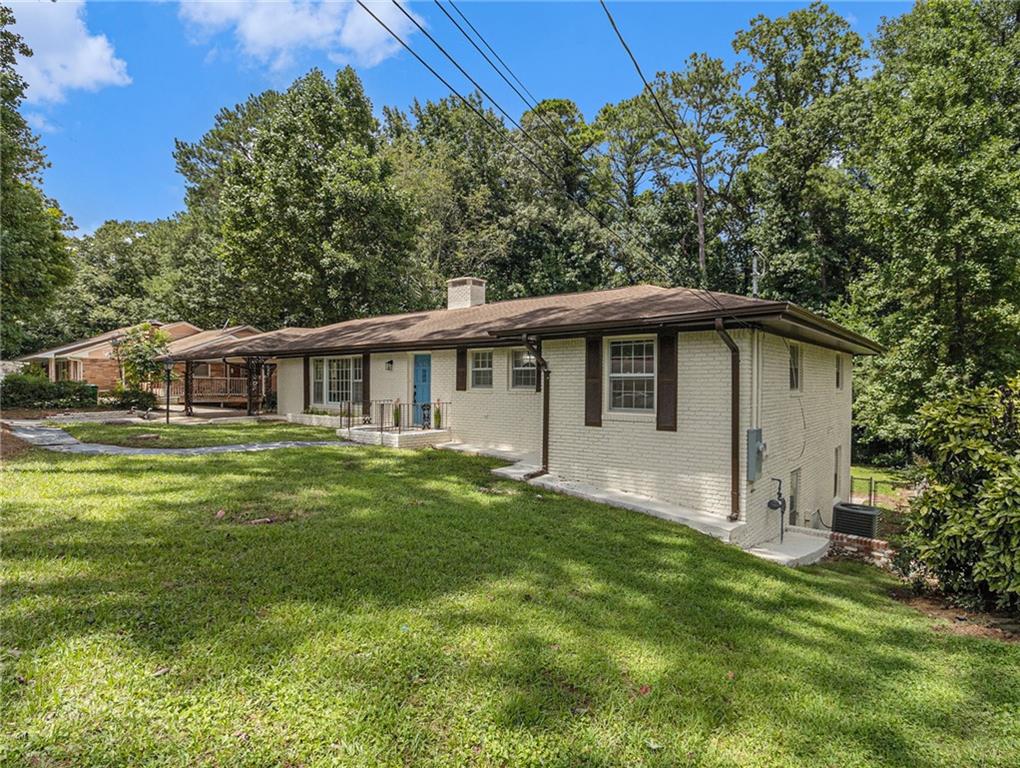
{"x": 422, "y": 387}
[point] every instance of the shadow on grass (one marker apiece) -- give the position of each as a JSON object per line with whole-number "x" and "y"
{"x": 430, "y": 581}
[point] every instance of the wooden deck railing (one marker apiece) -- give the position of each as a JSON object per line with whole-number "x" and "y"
{"x": 205, "y": 388}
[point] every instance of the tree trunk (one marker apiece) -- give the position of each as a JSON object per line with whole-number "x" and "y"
{"x": 699, "y": 187}
{"x": 956, "y": 339}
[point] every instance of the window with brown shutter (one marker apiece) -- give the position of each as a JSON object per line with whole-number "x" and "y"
{"x": 593, "y": 382}
{"x": 665, "y": 389}
{"x": 461, "y": 369}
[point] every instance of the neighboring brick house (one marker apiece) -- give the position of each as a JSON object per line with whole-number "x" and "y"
{"x": 94, "y": 360}
{"x": 648, "y": 390}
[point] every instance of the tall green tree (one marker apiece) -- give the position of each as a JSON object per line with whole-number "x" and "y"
{"x": 311, "y": 225}
{"x": 705, "y": 98}
{"x": 940, "y": 195}
{"x": 798, "y": 112}
{"x": 36, "y": 261}
{"x": 451, "y": 171}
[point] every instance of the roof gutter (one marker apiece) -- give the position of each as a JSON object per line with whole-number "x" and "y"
{"x": 734, "y": 418}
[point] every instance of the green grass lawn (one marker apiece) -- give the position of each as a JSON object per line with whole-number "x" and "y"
{"x": 411, "y": 610}
{"x": 194, "y": 435}
{"x": 881, "y": 474}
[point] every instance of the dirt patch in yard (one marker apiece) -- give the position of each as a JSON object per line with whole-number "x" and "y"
{"x": 11, "y": 446}
{"x": 957, "y": 621}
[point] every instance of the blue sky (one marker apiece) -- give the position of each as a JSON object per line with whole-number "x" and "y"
{"x": 114, "y": 83}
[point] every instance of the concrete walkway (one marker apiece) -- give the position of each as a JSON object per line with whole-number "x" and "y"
{"x": 54, "y": 439}
{"x": 799, "y": 547}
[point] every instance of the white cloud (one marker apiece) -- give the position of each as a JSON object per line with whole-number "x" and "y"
{"x": 274, "y": 32}
{"x": 40, "y": 122}
{"x": 67, "y": 57}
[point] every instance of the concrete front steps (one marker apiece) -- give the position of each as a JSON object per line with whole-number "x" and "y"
{"x": 411, "y": 438}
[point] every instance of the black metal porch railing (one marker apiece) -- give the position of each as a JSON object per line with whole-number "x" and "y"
{"x": 395, "y": 415}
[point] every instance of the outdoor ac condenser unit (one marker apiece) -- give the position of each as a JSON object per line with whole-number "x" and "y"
{"x": 855, "y": 519}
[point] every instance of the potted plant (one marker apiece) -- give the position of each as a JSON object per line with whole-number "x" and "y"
{"x": 437, "y": 415}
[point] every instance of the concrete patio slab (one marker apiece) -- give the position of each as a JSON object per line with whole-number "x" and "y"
{"x": 713, "y": 525}
{"x": 495, "y": 453}
{"x": 796, "y": 548}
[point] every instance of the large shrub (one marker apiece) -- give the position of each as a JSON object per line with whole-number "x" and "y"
{"x": 126, "y": 398}
{"x": 964, "y": 525}
{"x": 20, "y": 390}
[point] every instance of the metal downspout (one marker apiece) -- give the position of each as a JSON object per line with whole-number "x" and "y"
{"x": 734, "y": 418}
{"x": 544, "y": 368}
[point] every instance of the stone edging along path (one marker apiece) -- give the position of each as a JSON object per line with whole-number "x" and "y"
{"x": 55, "y": 439}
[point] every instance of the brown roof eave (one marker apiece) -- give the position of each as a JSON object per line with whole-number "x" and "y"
{"x": 682, "y": 320}
{"x": 282, "y": 352}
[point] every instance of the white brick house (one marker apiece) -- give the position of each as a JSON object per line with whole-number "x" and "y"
{"x": 638, "y": 393}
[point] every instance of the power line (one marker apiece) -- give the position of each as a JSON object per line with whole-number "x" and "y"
{"x": 474, "y": 82}
{"x": 714, "y": 303}
{"x": 498, "y": 129}
{"x": 531, "y": 103}
{"x": 493, "y": 52}
{"x": 670, "y": 125}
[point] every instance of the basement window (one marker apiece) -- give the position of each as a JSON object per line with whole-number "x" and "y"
{"x": 796, "y": 373}
{"x": 837, "y": 466}
{"x": 481, "y": 370}
{"x": 792, "y": 496}
{"x": 523, "y": 374}
{"x": 632, "y": 375}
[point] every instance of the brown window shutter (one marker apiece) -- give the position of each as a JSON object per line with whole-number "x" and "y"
{"x": 665, "y": 383}
{"x": 593, "y": 381}
{"x": 461, "y": 369}
{"x": 307, "y": 378}
{"x": 538, "y": 371}
{"x": 366, "y": 382}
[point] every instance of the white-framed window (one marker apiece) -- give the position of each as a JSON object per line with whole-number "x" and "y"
{"x": 318, "y": 380}
{"x": 481, "y": 369}
{"x": 343, "y": 379}
{"x": 200, "y": 370}
{"x": 632, "y": 375}
{"x": 796, "y": 367}
{"x": 836, "y": 470}
{"x": 523, "y": 372}
{"x": 839, "y": 371}
{"x": 793, "y": 496}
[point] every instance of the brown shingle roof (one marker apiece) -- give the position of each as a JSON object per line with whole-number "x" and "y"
{"x": 632, "y": 306}
{"x": 202, "y": 338}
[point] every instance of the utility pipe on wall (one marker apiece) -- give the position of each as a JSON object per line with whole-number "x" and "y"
{"x": 734, "y": 418}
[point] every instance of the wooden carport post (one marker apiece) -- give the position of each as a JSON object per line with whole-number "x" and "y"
{"x": 250, "y": 384}
{"x": 254, "y": 368}
{"x": 189, "y": 372}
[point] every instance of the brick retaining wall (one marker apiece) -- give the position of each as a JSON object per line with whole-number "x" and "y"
{"x": 874, "y": 551}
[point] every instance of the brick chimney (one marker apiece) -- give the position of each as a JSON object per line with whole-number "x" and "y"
{"x": 462, "y": 292}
